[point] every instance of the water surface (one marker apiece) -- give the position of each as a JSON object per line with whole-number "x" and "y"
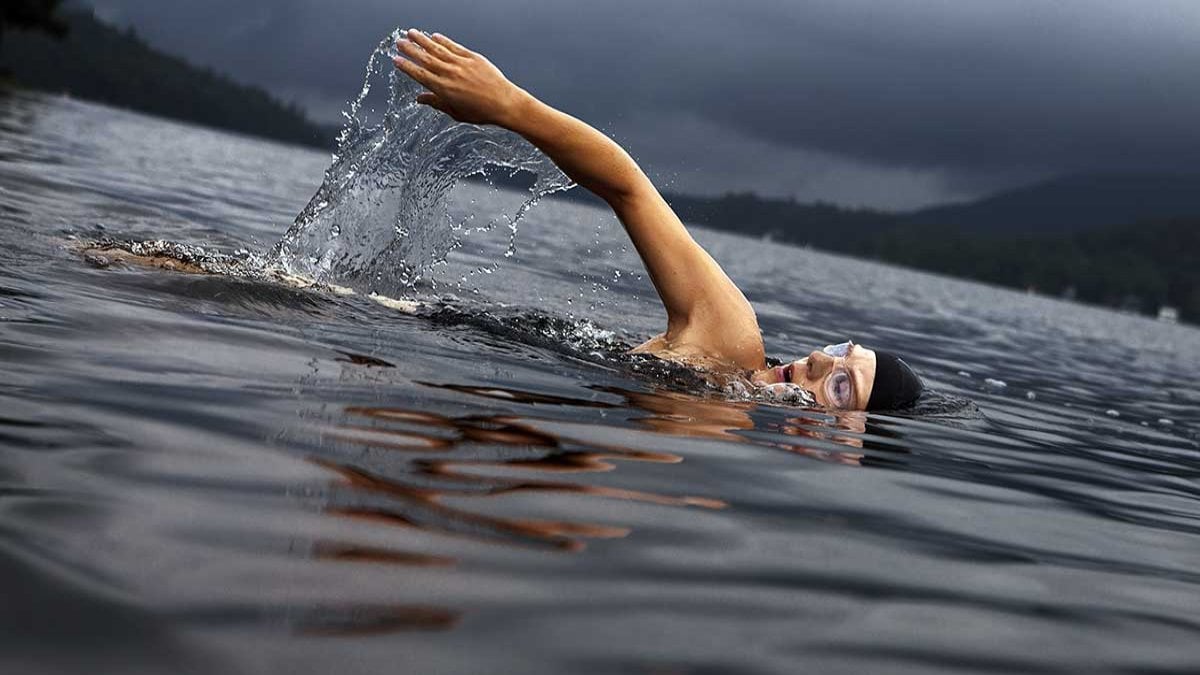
{"x": 210, "y": 474}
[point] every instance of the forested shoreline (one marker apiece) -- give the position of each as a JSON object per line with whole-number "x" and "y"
{"x": 92, "y": 60}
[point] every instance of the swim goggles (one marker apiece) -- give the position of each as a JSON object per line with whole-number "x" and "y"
{"x": 839, "y": 387}
{"x": 838, "y": 351}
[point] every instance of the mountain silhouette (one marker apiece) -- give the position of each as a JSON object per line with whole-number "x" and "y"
{"x": 1073, "y": 204}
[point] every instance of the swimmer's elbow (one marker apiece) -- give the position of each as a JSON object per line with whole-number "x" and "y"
{"x": 631, "y": 192}
{"x": 622, "y": 198}
{"x": 622, "y": 183}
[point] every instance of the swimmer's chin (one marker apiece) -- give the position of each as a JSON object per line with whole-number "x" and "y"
{"x": 768, "y": 376}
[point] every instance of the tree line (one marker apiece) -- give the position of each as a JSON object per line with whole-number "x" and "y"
{"x": 73, "y": 52}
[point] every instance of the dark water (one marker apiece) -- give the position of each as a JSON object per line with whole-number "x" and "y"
{"x": 205, "y": 474}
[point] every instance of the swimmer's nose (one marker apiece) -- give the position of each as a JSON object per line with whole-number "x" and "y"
{"x": 819, "y": 363}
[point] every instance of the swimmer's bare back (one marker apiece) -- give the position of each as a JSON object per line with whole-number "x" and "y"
{"x": 105, "y": 254}
{"x": 189, "y": 259}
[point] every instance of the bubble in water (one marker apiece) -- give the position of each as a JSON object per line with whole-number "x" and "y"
{"x": 380, "y": 218}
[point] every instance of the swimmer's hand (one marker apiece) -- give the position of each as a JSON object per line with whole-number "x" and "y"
{"x": 461, "y": 83}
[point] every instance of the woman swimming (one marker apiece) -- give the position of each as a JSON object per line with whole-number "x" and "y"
{"x": 709, "y": 321}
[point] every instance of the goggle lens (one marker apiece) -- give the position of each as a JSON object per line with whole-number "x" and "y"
{"x": 839, "y": 390}
{"x": 839, "y": 351}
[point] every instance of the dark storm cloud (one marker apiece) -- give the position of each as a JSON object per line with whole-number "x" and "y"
{"x": 906, "y": 100}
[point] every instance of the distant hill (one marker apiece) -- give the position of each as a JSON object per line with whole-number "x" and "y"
{"x": 818, "y": 224}
{"x": 1073, "y": 203}
{"x": 1065, "y": 205}
{"x": 98, "y": 62}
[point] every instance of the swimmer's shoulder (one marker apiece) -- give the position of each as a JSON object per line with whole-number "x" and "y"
{"x": 736, "y": 345}
{"x": 684, "y": 352}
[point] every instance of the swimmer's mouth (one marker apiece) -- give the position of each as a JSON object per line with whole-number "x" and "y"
{"x": 785, "y": 372}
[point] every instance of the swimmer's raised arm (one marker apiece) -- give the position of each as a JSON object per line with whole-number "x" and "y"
{"x": 706, "y": 313}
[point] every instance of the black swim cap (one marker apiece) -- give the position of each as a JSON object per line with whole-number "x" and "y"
{"x": 896, "y": 384}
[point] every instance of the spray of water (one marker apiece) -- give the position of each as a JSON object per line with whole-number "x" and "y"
{"x": 380, "y": 221}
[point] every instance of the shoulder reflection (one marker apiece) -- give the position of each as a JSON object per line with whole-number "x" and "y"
{"x": 487, "y": 478}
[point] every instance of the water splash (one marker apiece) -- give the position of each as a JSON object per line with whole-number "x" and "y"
{"x": 380, "y": 221}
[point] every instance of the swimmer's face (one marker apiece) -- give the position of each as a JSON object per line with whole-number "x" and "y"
{"x": 839, "y": 376}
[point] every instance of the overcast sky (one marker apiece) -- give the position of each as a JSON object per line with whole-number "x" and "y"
{"x": 888, "y": 103}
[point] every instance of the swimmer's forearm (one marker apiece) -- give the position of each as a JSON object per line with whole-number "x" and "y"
{"x": 591, "y": 159}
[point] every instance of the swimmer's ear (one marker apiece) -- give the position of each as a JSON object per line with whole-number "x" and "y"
{"x": 430, "y": 100}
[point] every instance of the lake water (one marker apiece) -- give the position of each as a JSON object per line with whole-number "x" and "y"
{"x": 206, "y": 474}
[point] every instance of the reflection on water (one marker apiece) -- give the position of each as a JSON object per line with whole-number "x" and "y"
{"x": 406, "y": 467}
{"x": 686, "y": 415}
{"x": 425, "y": 471}
{"x": 413, "y": 483}
{"x": 417, "y": 483}
{"x": 414, "y": 471}
{"x": 365, "y": 620}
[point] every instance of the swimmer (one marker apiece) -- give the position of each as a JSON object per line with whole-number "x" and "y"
{"x": 710, "y": 323}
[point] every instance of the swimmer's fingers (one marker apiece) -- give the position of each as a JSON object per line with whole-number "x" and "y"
{"x": 452, "y": 46}
{"x": 467, "y": 88}
{"x": 420, "y": 56}
{"x": 424, "y": 76}
{"x": 415, "y": 71}
{"x": 435, "y": 49}
{"x": 431, "y": 100}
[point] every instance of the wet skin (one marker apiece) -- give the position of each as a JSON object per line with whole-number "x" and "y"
{"x": 841, "y": 383}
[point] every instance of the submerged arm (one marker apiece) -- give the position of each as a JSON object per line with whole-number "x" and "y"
{"x": 704, "y": 307}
